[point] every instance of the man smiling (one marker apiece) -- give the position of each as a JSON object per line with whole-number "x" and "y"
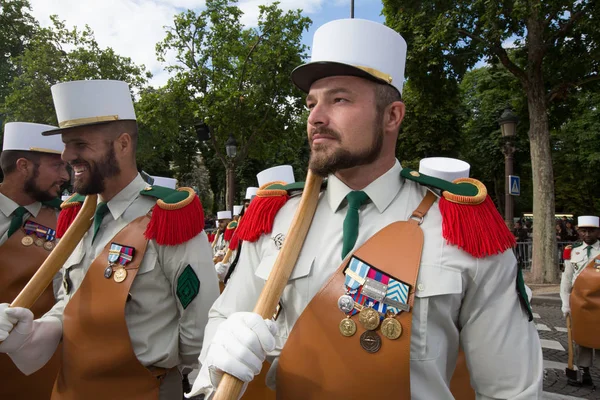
{"x": 138, "y": 286}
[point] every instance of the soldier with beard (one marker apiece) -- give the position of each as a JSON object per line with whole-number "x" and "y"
{"x": 138, "y": 286}
{"x": 29, "y": 204}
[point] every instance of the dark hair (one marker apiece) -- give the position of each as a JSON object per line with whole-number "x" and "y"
{"x": 8, "y": 159}
{"x": 128, "y": 126}
{"x": 385, "y": 95}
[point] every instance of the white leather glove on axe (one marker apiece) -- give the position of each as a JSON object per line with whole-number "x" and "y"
{"x": 239, "y": 348}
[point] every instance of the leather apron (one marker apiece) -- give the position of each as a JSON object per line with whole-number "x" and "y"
{"x": 98, "y": 359}
{"x": 585, "y": 306}
{"x": 18, "y": 264}
{"x": 316, "y": 356}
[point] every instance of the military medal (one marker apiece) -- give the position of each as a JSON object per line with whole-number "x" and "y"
{"x": 118, "y": 254}
{"x": 369, "y": 318}
{"x": 346, "y": 303}
{"x": 370, "y": 341}
{"x": 39, "y": 242}
{"x": 27, "y": 241}
{"x": 347, "y": 327}
{"x": 49, "y": 246}
{"x": 391, "y": 328}
{"x": 120, "y": 275}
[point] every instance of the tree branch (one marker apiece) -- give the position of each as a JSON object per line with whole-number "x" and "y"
{"x": 217, "y": 152}
{"x": 564, "y": 29}
{"x": 560, "y": 90}
{"x": 500, "y": 52}
{"x": 254, "y": 134}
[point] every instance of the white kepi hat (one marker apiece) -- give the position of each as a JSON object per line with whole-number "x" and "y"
{"x": 223, "y": 215}
{"x": 444, "y": 168}
{"x": 282, "y": 173}
{"x": 588, "y": 221}
{"x": 250, "y": 192}
{"x": 81, "y": 103}
{"x": 354, "y": 47}
{"x": 237, "y": 210}
{"x": 26, "y": 136}
{"x": 170, "y": 183}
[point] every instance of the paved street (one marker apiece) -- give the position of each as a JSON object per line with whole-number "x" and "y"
{"x": 553, "y": 334}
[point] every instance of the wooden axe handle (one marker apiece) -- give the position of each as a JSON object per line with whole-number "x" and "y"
{"x": 570, "y": 339}
{"x": 44, "y": 275}
{"x": 231, "y": 387}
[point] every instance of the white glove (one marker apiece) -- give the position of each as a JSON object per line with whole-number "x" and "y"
{"x": 222, "y": 269}
{"x": 16, "y": 325}
{"x": 239, "y": 348}
{"x": 566, "y": 310}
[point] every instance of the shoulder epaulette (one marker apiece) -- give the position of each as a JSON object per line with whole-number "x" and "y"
{"x": 177, "y": 216}
{"x": 568, "y": 250}
{"x": 260, "y": 215}
{"x": 68, "y": 212}
{"x": 230, "y": 230}
{"x": 470, "y": 220}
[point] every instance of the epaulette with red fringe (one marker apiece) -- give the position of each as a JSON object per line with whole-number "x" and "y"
{"x": 68, "y": 211}
{"x": 234, "y": 242}
{"x": 470, "y": 220}
{"x": 260, "y": 215}
{"x": 177, "y": 216}
{"x": 569, "y": 248}
{"x": 210, "y": 236}
{"x": 230, "y": 230}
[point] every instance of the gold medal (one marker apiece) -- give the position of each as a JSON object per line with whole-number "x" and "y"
{"x": 369, "y": 318}
{"x": 347, "y": 327}
{"x": 391, "y": 328}
{"x": 49, "y": 245}
{"x": 39, "y": 242}
{"x": 120, "y": 275}
{"x": 27, "y": 241}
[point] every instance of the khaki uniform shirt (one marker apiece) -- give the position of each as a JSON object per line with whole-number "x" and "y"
{"x": 573, "y": 267}
{"x": 162, "y": 332}
{"x": 460, "y": 300}
{"x": 7, "y": 207}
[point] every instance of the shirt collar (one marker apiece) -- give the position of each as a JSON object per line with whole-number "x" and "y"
{"x": 118, "y": 204}
{"x": 381, "y": 191}
{"x": 8, "y": 206}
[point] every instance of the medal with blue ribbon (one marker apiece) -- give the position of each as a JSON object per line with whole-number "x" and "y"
{"x": 42, "y": 232}
{"x": 118, "y": 254}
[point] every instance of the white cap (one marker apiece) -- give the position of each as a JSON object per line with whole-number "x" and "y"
{"x": 444, "y": 168}
{"x": 224, "y": 215}
{"x": 80, "y": 103}
{"x": 588, "y": 221}
{"x": 170, "y": 183}
{"x": 28, "y": 137}
{"x": 355, "y": 47}
{"x": 251, "y": 192}
{"x": 283, "y": 173}
{"x": 237, "y": 210}
{"x": 65, "y": 197}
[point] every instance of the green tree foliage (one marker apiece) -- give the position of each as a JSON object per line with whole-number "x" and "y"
{"x": 58, "y": 54}
{"x": 556, "y": 51}
{"x": 238, "y": 78}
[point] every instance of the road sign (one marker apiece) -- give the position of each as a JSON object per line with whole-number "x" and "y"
{"x": 514, "y": 185}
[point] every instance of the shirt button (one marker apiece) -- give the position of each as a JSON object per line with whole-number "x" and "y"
{"x": 421, "y": 287}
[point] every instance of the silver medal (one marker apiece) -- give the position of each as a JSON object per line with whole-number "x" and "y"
{"x": 346, "y": 303}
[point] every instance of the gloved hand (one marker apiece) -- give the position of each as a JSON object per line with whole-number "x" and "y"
{"x": 16, "y": 325}
{"x": 239, "y": 348}
{"x": 222, "y": 269}
{"x": 566, "y": 310}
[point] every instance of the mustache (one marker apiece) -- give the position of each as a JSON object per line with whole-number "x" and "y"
{"x": 324, "y": 131}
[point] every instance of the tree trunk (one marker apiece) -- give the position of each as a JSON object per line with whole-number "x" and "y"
{"x": 230, "y": 185}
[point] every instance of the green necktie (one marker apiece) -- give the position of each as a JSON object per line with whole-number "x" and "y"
{"x": 101, "y": 210}
{"x": 355, "y": 200}
{"x": 589, "y": 251}
{"x": 17, "y": 220}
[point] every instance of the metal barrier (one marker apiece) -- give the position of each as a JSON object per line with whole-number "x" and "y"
{"x": 524, "y": 253}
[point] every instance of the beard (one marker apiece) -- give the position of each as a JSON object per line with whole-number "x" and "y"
{"x": 99, "y": 171}
{"x": 33, "y": 190}
{"x": 324, "y": 164}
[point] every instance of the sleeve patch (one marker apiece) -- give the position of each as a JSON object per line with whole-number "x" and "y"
{"x": 522, "y": 293}
{"x": 188, "y": 286}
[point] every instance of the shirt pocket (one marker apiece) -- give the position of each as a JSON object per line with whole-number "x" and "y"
{"x": 73, "y": 272}
{"x": 148, "y": 262}
{"x": 433, "y": 300}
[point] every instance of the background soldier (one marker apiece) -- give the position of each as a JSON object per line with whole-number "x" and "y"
{"x": 33, "y": 176}
{"x": 137, "y": 288}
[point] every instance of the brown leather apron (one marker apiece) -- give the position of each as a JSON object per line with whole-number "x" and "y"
{"x": 18, "y": 264}
{"x": 585, "y": 306}
{"x": 98, "y": 359}
{"x": 316, "y": 361}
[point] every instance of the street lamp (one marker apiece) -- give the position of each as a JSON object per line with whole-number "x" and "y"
{"x": 508, "y": 125}
{"x": 231, "y": 150}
